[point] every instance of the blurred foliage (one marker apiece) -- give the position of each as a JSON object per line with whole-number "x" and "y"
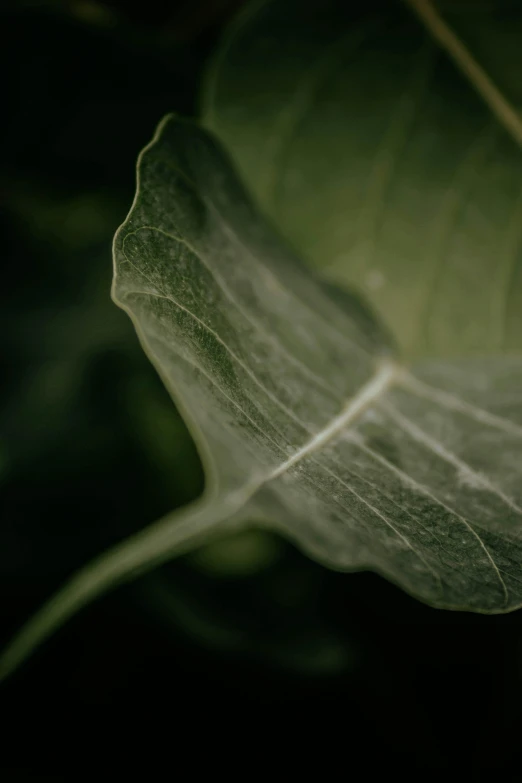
{"x": 92, "y": 449}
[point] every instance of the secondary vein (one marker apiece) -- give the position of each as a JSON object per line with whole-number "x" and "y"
{"x": 413, "y": 483}
{"x": 453, "y": 402}
{"x": 422, "y": 437}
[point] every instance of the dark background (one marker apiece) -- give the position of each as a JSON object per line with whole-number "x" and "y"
{"x": 248, "y": 648}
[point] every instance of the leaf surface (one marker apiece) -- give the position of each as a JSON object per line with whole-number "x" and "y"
{"x": 384, "y": 140}
{"x": 308, "y": 418}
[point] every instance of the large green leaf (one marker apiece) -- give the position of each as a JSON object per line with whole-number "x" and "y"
{"x": 306, "y": 419}
{"x": 383, "y": 139}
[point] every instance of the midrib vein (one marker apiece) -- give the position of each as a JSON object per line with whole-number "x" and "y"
{"x": 462, "y": 57}
{"x": 385, "y": 375}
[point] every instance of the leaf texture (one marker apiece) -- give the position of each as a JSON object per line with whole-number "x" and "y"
{"x": 307, "y": 416}
{"x": 384, "y": 140}
{"x": 305, "y": 412}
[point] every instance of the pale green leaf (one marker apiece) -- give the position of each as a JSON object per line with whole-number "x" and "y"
{"x": 383, "y": 139}
{"x": 306, "y": 419}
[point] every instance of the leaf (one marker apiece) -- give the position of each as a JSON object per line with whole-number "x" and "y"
{"x": 383, "y": 139}
{"x": 304, "y": 417}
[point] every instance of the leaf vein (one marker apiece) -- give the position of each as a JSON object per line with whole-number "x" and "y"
{"x": 253, "y": 321}
{"x": 410, "y": 481}
{"x": 453, "y": 402}
{"x": 419, "y": 435}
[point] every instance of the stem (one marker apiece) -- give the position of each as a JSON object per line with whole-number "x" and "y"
{"x": 171, "y": 536}
{"x": 487, "y": 89}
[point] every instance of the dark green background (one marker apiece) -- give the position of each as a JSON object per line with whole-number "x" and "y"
{"x": 91, "y": 449}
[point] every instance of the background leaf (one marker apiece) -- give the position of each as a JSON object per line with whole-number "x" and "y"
{"x": 376, "y": 154}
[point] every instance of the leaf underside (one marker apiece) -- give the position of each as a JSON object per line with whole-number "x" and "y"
{"x": 307, "y": 418}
